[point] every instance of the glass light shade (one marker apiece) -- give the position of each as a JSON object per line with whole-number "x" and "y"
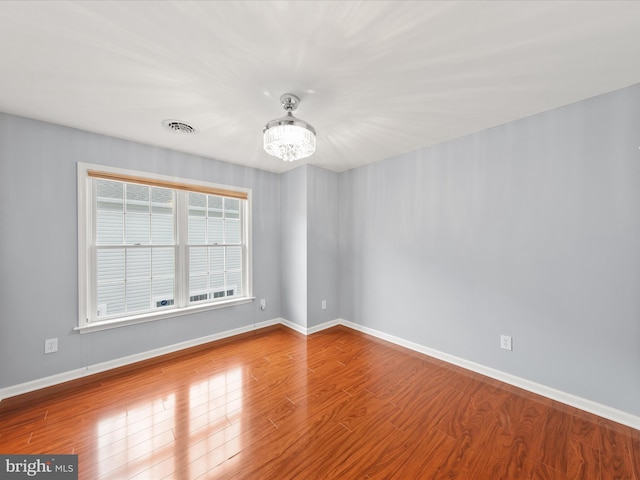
{"x": 289, "y": 138}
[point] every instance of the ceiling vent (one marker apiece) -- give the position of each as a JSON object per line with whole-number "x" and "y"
{"x": 179, "y": 127}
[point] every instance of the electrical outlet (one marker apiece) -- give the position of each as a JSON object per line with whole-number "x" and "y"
{"x": 505, "y": 342}
{"x": 263, "y": 304}
{"x": 324, "y": 304}
{"x": 51, "y": 345}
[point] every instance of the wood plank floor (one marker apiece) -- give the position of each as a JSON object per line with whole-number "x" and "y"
{"x": 335, "y": 405}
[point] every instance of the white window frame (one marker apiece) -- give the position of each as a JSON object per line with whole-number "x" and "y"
{"x": 87, "y": 319}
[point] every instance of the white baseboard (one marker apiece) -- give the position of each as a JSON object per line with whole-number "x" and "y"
{"x": 294, "y": 326}
{"x": 604, "y": 411}
{"x": 311, "y": 330}
{"x": 598, "y": 409}
{"x": 78, "y": 373}
{"x": 324, "y": 326}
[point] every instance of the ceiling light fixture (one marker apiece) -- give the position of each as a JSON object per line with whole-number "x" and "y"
{"x": 288, "y": 137}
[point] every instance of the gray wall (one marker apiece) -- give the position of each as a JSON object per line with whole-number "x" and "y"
{"x": 309, "y": 206}
{"x": 293, "y": 202}
{"x": 322, "y": 245}
{"x": 530, "y": 229}
{"x": 38, "y": 248}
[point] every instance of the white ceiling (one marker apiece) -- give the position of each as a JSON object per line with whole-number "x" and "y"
{"x": 376, "y": 79}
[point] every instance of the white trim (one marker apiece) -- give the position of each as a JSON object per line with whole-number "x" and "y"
{"x": 590, "y": 406}
{"x": 181, "y": 226}
{"x": 123, "y": 361}
{"x": 595, "y": 408}
{"x": 84, "y": 263}
{"x": 247, "y": 242}
{"x": 324, "y": 326}
{"x": 294, "y": 326}
{"x": 311, "y": 330}
{"x": 159, "y": 315}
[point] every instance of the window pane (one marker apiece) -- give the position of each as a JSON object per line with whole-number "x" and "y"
{"x": 233, "y": 283}
{"x": 163, "y": 262}
{"x": 197, "y": 230}
{"x": 138, "y": 229}
{"x": 216, "y": 259}
{"x": 138, "y": 295}
{"x": 138, "y": 263}
{"x": 215, "y": 206}
{"x": 197, "y": 204}
{"x": 161, "y": 201}
{"x": 217, "y": 285}
{"x": 163, "y": 295}
{"x": 214, "y": 230}
{"x": 137, "y": 198}
{"x": 232, "y": 231}
{"x": 109, "y": 195}
{"x": 135, "y": 239}
{"x": 197, "y": 260}
{"x": 110, "y": 299}
{"x": 234, "y": 258}
{"x": 198, "y": 288}
{"x": 110, "y": 265}
{"x": 231, "y": 208}
{"x": 161, "y": 230}
{"x": 109, "y": 228}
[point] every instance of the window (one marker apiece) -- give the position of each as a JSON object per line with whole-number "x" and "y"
{"x": 155, "y": 246}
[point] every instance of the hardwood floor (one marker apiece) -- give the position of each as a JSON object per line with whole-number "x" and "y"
{"x": 335, "y": 405}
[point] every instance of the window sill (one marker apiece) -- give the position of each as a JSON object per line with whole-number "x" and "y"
{"x": 150, "y": 317}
